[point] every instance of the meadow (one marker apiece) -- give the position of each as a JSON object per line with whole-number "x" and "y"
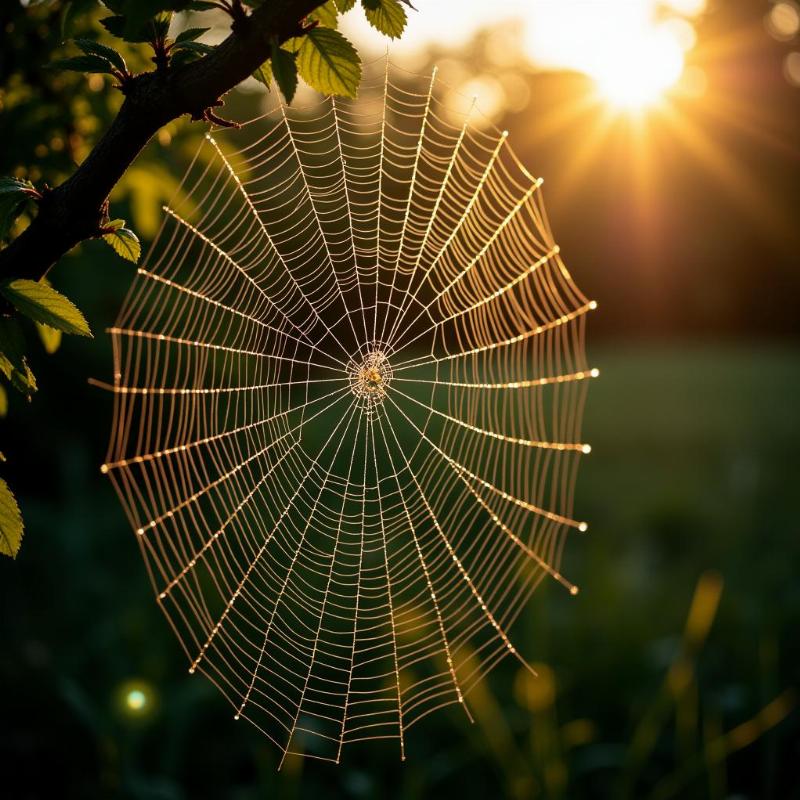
{"x": 669, "y": 675}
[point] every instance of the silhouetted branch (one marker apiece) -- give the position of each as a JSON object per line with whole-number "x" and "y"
{"x": 75, "y": 210}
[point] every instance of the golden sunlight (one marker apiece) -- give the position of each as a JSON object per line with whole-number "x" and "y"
{"x": 633, "y": 50}
{"x": 637, "y": 72}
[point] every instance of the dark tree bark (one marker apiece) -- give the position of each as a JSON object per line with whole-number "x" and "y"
{"x": 75, "y": 210}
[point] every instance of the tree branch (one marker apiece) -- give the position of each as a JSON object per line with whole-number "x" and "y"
{"x": 74, "y": 210}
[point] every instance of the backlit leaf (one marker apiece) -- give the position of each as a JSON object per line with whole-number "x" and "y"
{"x": 108, "y": 53}
{"x": 327, "y": 14}
{"x": 125, "y": 243}
{"x": 16, "y": 186}
{"x": 11, "y": 527}
{"x": 42, "y": 303}
{"x": 387, "y": 16}
{"x": 264, "y": 73}
{"x": 329, "y": 63}
{"x": 51, "y": 337}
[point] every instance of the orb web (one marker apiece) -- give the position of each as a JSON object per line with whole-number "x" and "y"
{"x": 348, "y": 387}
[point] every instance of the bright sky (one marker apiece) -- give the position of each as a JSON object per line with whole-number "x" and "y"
{"x": 633, "y": 49}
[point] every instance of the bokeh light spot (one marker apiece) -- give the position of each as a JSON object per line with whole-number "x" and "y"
{"x": 136, "y": 700}
{"x": 783, "y": 21}
{"x": 791, "y": 68}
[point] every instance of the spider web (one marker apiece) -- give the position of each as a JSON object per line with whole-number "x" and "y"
{"x": 348, "y": 385}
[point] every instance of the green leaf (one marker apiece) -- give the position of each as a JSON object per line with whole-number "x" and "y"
{"x": 42, "y": 303}
{"x": 12, "y": 357}
{"x": 264, "y": 73}
{"x": 51, "y": 337}
{"x": 108, "y": 53}
{"x": 190, "y": 34}
{"x": 3, "y": 409}
{"x": 14, "y": 195}
{"x": 293, "y": 44}
{"x": 284, "y": 68}
{"x": 329, "y": 63}
{"x": 86, "y": 63}
{"x": 327, "y": 14}
{"x": 344, "y": 5}
{"x": 22, "y": 380}
{"x": 17, "y": 186}
{"x": 125, "y": 243}
{"x": 386, "y": 16}
{"x": 115, "y": 26}
{"x": 11, "y": 526}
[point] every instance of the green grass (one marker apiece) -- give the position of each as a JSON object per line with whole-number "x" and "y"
{"x": 694, "y": 472}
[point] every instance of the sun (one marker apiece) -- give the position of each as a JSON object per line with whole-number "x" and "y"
{"x": 633, "y": 50}
{"x": 638, "y": 71}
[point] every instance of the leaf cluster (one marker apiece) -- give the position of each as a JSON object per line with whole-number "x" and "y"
{"x": 52, "y": 314}
{"x": 321, "y": 56}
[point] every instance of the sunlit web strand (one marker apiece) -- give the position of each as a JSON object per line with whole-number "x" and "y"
{"x": 348, "y": 388}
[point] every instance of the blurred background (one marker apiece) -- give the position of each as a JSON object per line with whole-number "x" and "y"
{"x": 668, "y": 135}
